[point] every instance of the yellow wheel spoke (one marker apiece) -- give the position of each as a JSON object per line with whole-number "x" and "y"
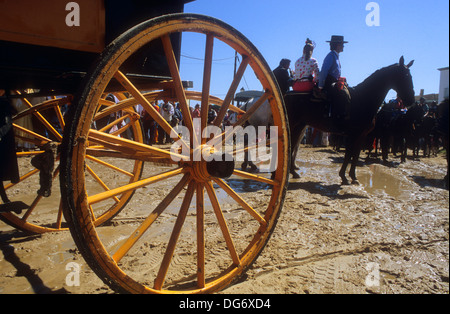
{"x": 44, "y": 121}
{"x": 177, "y": 83}
{"x": 232, "y": 90}
{"x": 101, "y": 162}
{"x": 206, "y": 83}
{"x": 133, "y": 186}
{"x": 56, "y": 103}
{"x": 125, "y": 145}
{"x": 255, "y": 177}
{"x": 60, "y": 216}
{"x": 240, "y": 201}
{"x": 118, "y": 122}
{"x": 123, "y": 153}
{"x": 126, "y": 104}
{"x": 100, "y": 182}
{"x": 225, "y": 136}
{"x": 37, "y": 199}
{"x": 31, "y": 208}
{"x": 37, "y": 139}
{"x": 123, "y": 80}
{"x": 159, "y": 281}
{"x": 139, "y": 232}
{"x": 200, "y": 236}
{"x": 222, "y": 223}
{"x": 24, "y": 177}
{"x": 252, "y": 110}
{"x": 60, "y": 117}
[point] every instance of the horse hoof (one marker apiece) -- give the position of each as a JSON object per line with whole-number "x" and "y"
{"x": 345, "y": 182}
{"x": 295, "y": 175}
{"x": 355, "y": 182}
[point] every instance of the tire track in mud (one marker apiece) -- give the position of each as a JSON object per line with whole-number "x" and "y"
{"x": 328, "y": 272}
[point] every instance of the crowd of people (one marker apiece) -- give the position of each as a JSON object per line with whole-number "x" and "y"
{"x": 155, "y": 134}
{"x": 307, "y": 75}
{"x": 326, "y": 84}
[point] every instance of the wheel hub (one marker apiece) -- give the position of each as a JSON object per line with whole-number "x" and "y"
{"x": 210, "y": 164}
{"x": 221, "y": 166}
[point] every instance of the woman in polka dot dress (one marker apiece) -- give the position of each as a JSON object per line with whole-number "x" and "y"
{"x": 306, "y": 69}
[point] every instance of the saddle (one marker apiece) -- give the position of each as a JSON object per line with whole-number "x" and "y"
{"x": 311, "y": 98}
{"x": 335, "y": 103}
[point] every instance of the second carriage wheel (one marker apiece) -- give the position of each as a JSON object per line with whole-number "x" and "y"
{"x": 196, "y": 221}
{"x": 38, "y": 129}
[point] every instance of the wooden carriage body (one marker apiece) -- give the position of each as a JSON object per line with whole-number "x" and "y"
{"x": 50, "y": 45}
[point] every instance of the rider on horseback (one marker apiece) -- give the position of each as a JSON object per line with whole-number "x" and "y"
{"x": 306, "y": 72}
{"x": 330, "y": 79}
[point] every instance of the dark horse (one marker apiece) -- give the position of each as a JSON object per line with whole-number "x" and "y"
{"x": 399, "y": 126}
{"x": 366, "y": 99}
{"x": 442, "y": 129}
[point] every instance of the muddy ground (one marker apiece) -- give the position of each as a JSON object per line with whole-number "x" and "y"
{"x": 388, "y": 235}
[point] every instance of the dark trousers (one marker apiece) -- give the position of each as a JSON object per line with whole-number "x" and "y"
{"x": 339, "y": 97}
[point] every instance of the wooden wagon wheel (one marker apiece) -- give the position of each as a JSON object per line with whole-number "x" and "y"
{"x": 179, "y": 242}
{"x": 39, "y": 127}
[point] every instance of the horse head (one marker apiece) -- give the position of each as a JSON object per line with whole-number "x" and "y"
{"x": 403, "y": 82}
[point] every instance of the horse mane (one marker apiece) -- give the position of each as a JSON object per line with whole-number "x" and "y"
{"x": 377, "y": 84}
{"x": 375, "y": 77}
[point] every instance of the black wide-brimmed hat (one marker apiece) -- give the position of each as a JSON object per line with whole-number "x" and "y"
{"x": 337, "y": 39}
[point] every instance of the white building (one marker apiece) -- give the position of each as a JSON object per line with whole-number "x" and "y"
{"x": 443, "y": 85}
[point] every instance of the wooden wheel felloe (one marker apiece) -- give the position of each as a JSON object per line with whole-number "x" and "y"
{"x": 197, "y": 223}
{"x": 38, "y": 129}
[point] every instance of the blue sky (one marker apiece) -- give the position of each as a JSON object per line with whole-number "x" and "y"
{"x": 416, "y": 29}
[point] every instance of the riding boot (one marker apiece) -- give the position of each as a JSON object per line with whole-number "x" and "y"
{"x": 319, "y": 95}
{"x": 348, "y": 99}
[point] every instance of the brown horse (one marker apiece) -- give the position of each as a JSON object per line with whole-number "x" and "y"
{"x": 366, "y": 99}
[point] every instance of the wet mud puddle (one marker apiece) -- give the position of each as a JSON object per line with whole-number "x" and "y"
{"x": 374, "y": 179}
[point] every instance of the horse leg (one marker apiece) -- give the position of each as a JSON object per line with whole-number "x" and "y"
{"x": 352, "y": 172}
{"x": 352, "y": 151}
{"x": 347, "y": 157}
{"x": 244, "y": 164}
{"x": 246, "y": 160}
{"x": 384, "y": 143}
{"x": 296, "y": 137}
{"x": 344, "y": 167}
{"x": 403, "y": 150}
{"x": 247, "y": 157}
{"x": 355, "y": 152}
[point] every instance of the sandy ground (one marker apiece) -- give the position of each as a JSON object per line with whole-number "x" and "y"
{"x": 388, "y": 235}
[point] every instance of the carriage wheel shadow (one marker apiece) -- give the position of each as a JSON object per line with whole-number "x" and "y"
{"x": 23, "y": 269}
